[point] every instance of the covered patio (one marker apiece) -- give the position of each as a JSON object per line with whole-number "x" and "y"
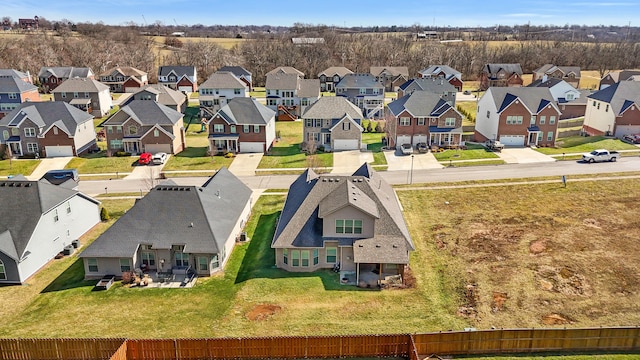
{"x": 223, "y": 143}
{"x": 165, "y": 280}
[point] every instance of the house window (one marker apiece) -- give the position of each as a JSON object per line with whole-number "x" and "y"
{"x": 233, "y": 129}
{"x": 182, "y": 259}
{"x": 552, "y": 120}
{"x": 236, "y": 91}
{"x": 86, "y": 95}
{"x": 30, "y": 132}
{"x": 598, "y": 106}
{"x": 55, "y": 130}
{"x": 13, "y": 96}
{"x": 346, "y": 126}
{"x": 594, "y": 103}
{"x": 148, "y": 258}
{"x": 92, "y": 265}
{"x": 450, "y": 122}
{"x": 543, "y": 119}
{"x": 75, "y": 94}
{"x": 285, "y": 256}
{"x": 218, "y": 128}
{"x": 295, "y": 258}
{"x": 246, "y": 129}
{"x": 5, "y": 134}
{"x": 376, "y": 91}
{"x": 349, "y": 226}
{"x": 305, "y": 258}
{"x": 606, "y": 109}
{"x": 214, "y": 262}
{"x": 68, "y": 207}
{"x": 550, "y": 136}
{"x": 125, "y": 265}
{"x": 405, "y": 121}
{"x": 32, "y": 148}
{"x": 203, "y": 263}
{"x": 315, "y": 257}
{"x": 156, "y": 133}
{"x": 256, "y": 129}
{"x": 272, "y": 102}
{"x": 55, "y": 215}
{"x": 116, "y": 144}
{"x": 119, "y": 129}
{"x": 304, "y": 102}
{"x": 363, "y": 91}
{"x": 540, "y": 135}
{"x": 488, "y": 113}
{"x": 570, "y": 96}
{"x": 421, "y": 121}
{"x": 332, "y": 255}
{"x": 533, "y": 120}
{"x": 109, "y": 129}
{"x": 133, "y": 130}
{"x": 63, "y": 95}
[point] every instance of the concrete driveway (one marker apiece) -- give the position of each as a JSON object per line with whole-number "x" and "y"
{"x": 397, "y": 161}
{"x": 346, "y": 162}
{"x": 523, "y": 156}
{"x": 245, "y": 164}
{"x": 147, "y": 172}
{"x": 47, "y": 164}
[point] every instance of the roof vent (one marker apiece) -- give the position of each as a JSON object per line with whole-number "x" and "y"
{"x": 395, "y": 246}
{"x": 324, "y": 180}
{"x": 378, "y": 246}
{"x": 190, "y": 224}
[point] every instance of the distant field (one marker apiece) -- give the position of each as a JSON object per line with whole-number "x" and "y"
{"x": 226, "y": 43}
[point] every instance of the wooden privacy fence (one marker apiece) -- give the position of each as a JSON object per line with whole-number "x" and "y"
{"x": 411, "y": 346}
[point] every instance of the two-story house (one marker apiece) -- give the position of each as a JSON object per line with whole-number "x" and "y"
{"x": 290, "y": 95}
{"x": 422, "y": 117}
{"x": 38, "y": 220}
{"x": 145, "y": 126}
{"x": 571, "y": 101}
{"x": 88, "y": 95}
{"x": 500, "y": 75}
{"x": 517, "y": 116}
{"x": 14, "y": 92}
{"x": 331, "y": 76}
{"x": 161, "y": 94}
{"x": 51, "y": 77}
{"x": 123, "y": 79}
{"x": 453, "y": 76}
{"x": 217, "y": 90}
{"x": 48, "y": 129}
{"x": 614, "y": 110}
{"x": 181, "y": 78}
{"x": 241, "y": 73}
{"x": 435, "y": 85}
{"x": 614, "y": 77}
{"x": 334, "y": 123}
{"x": 242, "y": 125}
{"x": 570, "y": 74}
{"x": 390, "y": 76}
{"x": 365, "y": 92}
{"x": 351, "y": 223}
{"x": 24, "y": 76}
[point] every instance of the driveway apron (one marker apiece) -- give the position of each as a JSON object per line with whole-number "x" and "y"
{"x": 346, "y": 162}
{"x": 245, "y": 164}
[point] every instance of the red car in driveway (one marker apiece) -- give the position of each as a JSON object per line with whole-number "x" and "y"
{"x": 145, "y": 158}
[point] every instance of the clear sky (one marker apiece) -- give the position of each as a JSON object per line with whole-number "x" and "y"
{"x": 331, "y": 12}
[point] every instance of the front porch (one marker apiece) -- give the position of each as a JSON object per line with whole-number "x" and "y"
{"x": 223, "y": 143}
{"x": 132, "y": 145}
{"x": 444, "y": 136}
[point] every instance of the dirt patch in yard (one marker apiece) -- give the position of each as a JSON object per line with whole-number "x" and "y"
{"x": 563, "y": 280}
{"x": 556, "y": 319}
{"x": 262, "y": 311}
{"x": 538, "y": 247}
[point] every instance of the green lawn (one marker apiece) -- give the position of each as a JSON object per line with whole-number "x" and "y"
{"x": 99, "y": 163}
{"x": 582, "y": 144}
{"x": 15, "y": 167}
{"x": 258, "y": 92}
{"x": 286, "y": 153}
{"x": 470, "y": 107}
{"x": 195, "y": 158}
{"x": 473, "y": 152}
{"x": 374, "y": 144}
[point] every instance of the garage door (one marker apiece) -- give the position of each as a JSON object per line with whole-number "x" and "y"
{"x": 512, "y": 140}
{"x": 417, "y": 139}
{"x": 251, "y": 147}
{"x": 403, "y": 139}
{"x": 345, "y": 144}
{"x": 622, "y": 130}
{"x": 58, "y": 151}
{"x": 156, "y": 148}
{"x": 185, "y": 89}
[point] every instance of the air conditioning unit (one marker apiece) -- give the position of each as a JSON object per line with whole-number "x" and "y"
{"x": 243, "y": 237}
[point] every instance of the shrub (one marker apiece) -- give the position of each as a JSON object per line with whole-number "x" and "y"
{"x": 104, "y": 214}
{"x": 378, "y": 127}
{"x": 122, "y": 154}
{"x": 369, "y": 127}
{"x": 229, "y": 155}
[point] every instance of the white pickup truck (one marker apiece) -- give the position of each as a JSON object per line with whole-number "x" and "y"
{"x": 600, "y": 155}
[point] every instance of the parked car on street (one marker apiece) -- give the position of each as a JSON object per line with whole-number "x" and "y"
{"x": 406, "y": 149}
{"x": 159, "y": 158}
{"x": 631, "y": 139}
{"x": 145, "y": 158}
{"x": 600, "y": 155}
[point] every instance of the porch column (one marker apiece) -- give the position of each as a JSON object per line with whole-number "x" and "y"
{"x": 380, "y": 273}
{"x": 357, "y": 273}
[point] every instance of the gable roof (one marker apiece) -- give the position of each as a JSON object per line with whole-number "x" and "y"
{"x": 201, "y": 218}
{"x": 419, "y": 103}
{"x": 332, "y": 107}
{"x": 22, "y": 203}
{"x": 549, "y": 83}
{"x": 147, "y": 113}
{"x": 236, "y": 70}
{"x": 509, "y": 68}
{"x": 282, "y": 81}
{"x": 222, "y": 80}
{"x": 335, "y": 70}
{"x": 246, "y": 111}
{"x": 619, "y": 95}
{"x": 360, "y": 80}
{"x": 392, "y": 70}
{"x": 166, "y": 95}
{"x": 65, "y": 72}
{"x": 124, "y": 70}
{"x": 12, "y": 84}
{"x": 435, "y": 85}
{"x": 308, "y": 88}
{"x": 534, "y": 98}
{"x": 14, "y": 73}
{"x": 312, "y": 196}
{"x": 80, "y": 85}
{"x": 47, "y": 113}
{"x": 436, "y": 69}
{"x": 622, "y": 75}
{"x": 178, "y": 70}
{"x": 550, "y": 68}
{"x": 286, "y": 70}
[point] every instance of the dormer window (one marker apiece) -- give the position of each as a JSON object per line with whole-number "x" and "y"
{"x": 348, "y": 226}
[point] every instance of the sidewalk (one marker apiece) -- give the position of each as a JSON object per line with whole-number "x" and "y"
{"x": 47, "y": 164}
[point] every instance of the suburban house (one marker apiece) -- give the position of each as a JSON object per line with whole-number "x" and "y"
{"x": 422, "y": 117}
{"x": 614, "y": 77}
{"x": 28, "y": 24}
{"x": 331, "y": 76}
{"x": 351, "y": 223}
{"x": 614, "y": 110}
{"x": 24, "y": 76}
{"x": 435, "y": 85}
{"x": 365, "y": 92}
{"x": 334, "y": 123}
{"x": 390, "y": 76}
{"x": 174, "y": 229}
{"x": 570, "y": 74}
{"x": 181, "y": 78}
{"x": 500, "y": 75}
{"x": 51, "y": 77}
{"x": 241, "y": 73}
{"x": 453, "y": 76}
{"x": 517, "y": 116}
{"x": 38, "y": 221}
{"x": 243, "y": 125}
{"x": 289, "y": 94}
{"x": 14, "y": 91}
{"x": 161, "y": 94}
{"x": 48, "y": 129}
{"x": 86, "y": 94}
{"x": 145, "y": 126}
{"x": 219, "y": 88}
{"x": 123, "y": 79}
{"x": 571, "y": 101}
{"x": 286, "y": 70}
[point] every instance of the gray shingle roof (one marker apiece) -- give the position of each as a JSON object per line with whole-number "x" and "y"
{"x": 124, "y": 70}
{"x": 81, "y": 85}
{"x": 236, "y": 70}
{"x": 393, "y": 70}
{"x": 356, "y": 81}
{"x": 549, "y": 83}
{"x": 286, "y": 70}
{"x": 282, "y": 81}
{"x": 332, "y": 107}
{"x": 21, "y": 205}
{"x": 246, "y": 111}
{"x": 622, "y": 75}
{"x": 311, "y": 196}
{"x": 509, "y": 68}
{"x": 336, "y": 70}
{"x": 436, "y": 69}
{"x": 14, "y": 73}
{"x": 178, "y": 70}
{"x": 222, "y": 80}
{"x": 11, "y": 84}
{"x": 308, "y": 88}
{"x": 419, "y": 103}
{"x": 65, "y": 72}
{"x": 619, "y": 95}
{"x": 534, "y": 98}
{"x": 47, "y": 113}
{"x": 166, "y": 95}
{"x": 550, "y": 68}
{"x": 146, "y": 112}
{"x": 164, "y": 216}
{"x": 435, "y": 85}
